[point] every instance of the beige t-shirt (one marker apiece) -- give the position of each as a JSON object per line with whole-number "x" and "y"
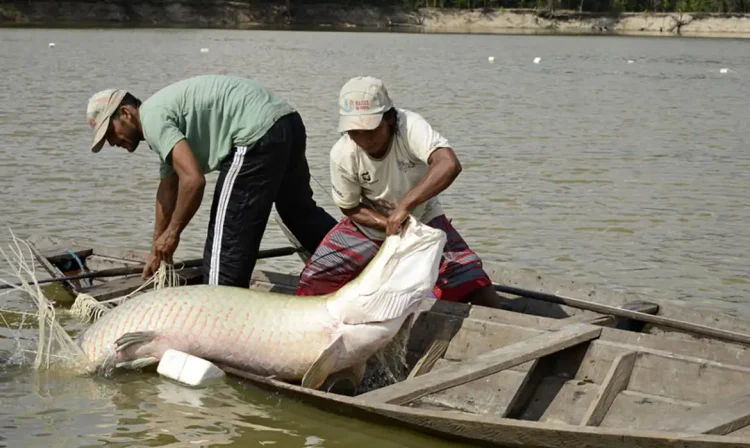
{"x": 386, "y": 181}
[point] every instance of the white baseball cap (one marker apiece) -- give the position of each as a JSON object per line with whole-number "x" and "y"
{"x": 362, "y": 102}
{"x": 100, "y": 108}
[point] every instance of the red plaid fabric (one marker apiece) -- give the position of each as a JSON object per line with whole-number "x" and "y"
{"x": 345, "y": 252}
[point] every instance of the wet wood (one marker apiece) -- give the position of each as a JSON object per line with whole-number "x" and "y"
{"x": 484, "y": 365}
{"x": 723, "y": 416}
{"x": 615, "y": 382}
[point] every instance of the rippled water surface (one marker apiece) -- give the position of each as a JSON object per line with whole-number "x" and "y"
{"x": 632, "y": 176}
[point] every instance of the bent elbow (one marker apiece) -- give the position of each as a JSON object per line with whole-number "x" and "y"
{"x": 456, "y": 168}
{"x": 196, "y": 182}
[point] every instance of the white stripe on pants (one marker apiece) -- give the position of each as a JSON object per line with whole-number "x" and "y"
{"x": 221, "y": 211}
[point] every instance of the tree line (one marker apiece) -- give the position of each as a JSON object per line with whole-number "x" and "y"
{"x": 592, "y": 6}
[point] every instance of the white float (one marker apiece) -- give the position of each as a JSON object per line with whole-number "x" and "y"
{"x": 188, "y": 369}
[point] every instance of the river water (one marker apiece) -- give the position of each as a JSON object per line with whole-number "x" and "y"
{"x": 619, "y": 161}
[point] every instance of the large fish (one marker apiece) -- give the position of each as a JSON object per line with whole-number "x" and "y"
{"x": 292, "y": 338}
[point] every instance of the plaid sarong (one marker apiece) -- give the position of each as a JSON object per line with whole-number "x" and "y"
{"x": 345, "y": 251}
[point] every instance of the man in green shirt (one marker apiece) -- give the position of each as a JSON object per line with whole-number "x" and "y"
{"x": 250, "y": 134}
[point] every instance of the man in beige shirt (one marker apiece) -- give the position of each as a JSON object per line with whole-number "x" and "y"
{"x": 389, "y": 163}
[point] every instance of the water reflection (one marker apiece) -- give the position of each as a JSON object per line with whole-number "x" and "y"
{"x": 138, "y": 409}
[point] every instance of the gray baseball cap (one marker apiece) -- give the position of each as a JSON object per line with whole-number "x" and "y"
{"x": 100, "y": 108}
{"x": 362, "y": 102}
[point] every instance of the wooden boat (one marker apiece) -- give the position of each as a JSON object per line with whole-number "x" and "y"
{"x": 539, "y": 373}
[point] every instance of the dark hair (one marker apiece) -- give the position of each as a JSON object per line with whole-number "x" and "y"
{"x": 392, "y": 115}
{"x": 127, "y": 100}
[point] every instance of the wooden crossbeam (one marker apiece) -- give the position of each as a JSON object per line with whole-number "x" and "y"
{"x": 615, "y": 382}
{"x": 483, "y": 365}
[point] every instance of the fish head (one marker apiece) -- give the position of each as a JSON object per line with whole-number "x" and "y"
{"x": 401, "y": 274}
{"x": 407, "y": 261}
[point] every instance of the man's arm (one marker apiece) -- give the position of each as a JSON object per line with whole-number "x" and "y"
{"x": 166, "y": 199}
{"x": 189, "y": 189}
{"x": 366, "y": 217}
{"x": 443, "y": 169}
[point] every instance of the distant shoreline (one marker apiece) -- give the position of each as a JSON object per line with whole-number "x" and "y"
{"x": 229, "y": 14}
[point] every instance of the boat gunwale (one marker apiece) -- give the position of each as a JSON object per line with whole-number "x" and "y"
{"x": 323, "y": 401}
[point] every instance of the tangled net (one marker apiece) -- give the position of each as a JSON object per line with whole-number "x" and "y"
{"x": 87, "y": 308}
{"x": 55, "y": 347}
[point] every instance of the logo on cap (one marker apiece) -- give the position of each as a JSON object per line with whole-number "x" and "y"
{"x": 351, "y": 105}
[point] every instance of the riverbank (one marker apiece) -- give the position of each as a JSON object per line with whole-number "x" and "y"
{"x": 241, "y": 15}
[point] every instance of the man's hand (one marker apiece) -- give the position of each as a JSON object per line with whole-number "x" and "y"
{"x": 166, "y": 244}
{"x": 152, "y": 265}
{"x": 164, "y": 248}
{"x": 396, "y": 219}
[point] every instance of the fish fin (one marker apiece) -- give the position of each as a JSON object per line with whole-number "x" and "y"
{"x": 381, "y": 306}
{"x": 134, "y": 338}
{"x": 436, "y": 351}
{"x": 137, "y": 364}
{"x": 324, "y": 365}
{"x": 359, "y": 372}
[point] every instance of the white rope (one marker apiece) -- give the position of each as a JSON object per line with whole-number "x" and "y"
{"x": 88, "y": 308}
{"x": 51, "y": 334}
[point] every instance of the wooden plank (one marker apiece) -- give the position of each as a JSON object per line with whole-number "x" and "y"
{"x": 58, "y": 254}
{"x": 689, "y": 327}
{"x": 484, "y": 430}
{"x": 723, "y": 416}
{"x": 477, "y": 337}
{"x": 303, "y": 254}
{"x": 131, "y": 255}
{"x": 607, "y": 320}
{"x": 531, "y": 380}
{"x": 126, "y": 285}
{"x": 484, "y": 365}
{"x": 489, "y": 395}
{"x": 615, "y": 382}
{"x": 709, "y": 349}
{"x": 437, "y": 349}
{"x": 51, "y": 269}
{"x": 536, "y": 280}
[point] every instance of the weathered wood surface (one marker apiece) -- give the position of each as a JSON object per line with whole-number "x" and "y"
{"x": 660, "y": 382}
{"x": 492, "y": 430}
{"x": 483, "y": 321}
{"x": 724, "y": 415}
{"x": 532, "y": 379}
{"x": 535, "y": 280}
{"x": 43, "y": 248}
{"x": 671, "y": 323}
{"x": 615, "y": 382}
{"x": 483, "y": 365}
